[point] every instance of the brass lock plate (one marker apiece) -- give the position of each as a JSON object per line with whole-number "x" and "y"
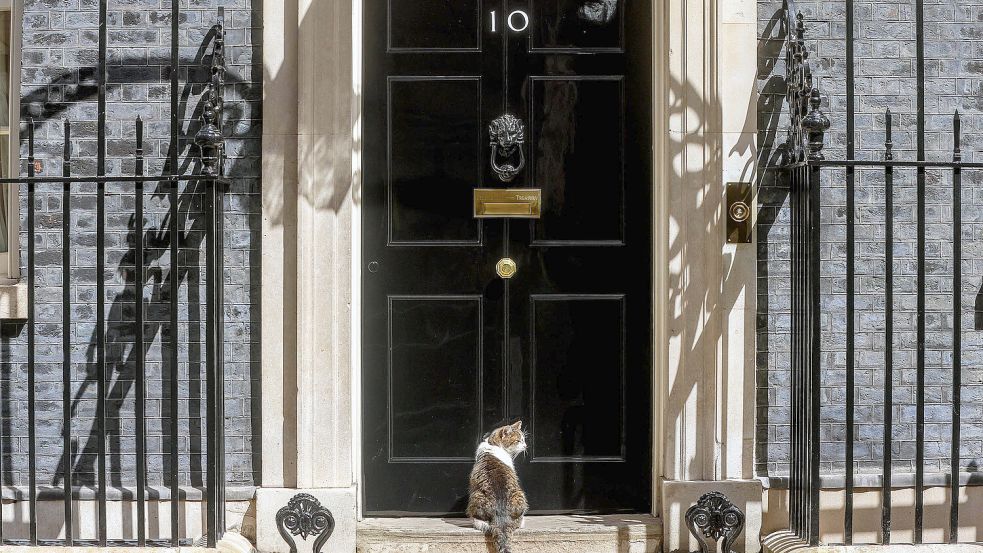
{"x": 509, "y": 203}
{"x": 740, "y": 212}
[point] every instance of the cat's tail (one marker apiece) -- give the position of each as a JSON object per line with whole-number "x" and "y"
{"x": 501, "y": 531}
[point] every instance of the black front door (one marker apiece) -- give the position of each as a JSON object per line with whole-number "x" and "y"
{"x": 451, "y": 348}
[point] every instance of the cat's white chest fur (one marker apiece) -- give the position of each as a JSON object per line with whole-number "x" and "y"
{"x": 496, "y": 451}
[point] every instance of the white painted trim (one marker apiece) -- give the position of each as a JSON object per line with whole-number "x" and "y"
{"x": 356, "y": 308}
{"x": 660, "y": 244}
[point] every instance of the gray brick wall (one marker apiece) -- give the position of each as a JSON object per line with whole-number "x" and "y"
{"x": 60, "y": 51}
{"x": 885, "y": 77}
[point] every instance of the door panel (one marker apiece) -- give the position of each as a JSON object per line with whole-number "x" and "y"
{"x": 450, "y": 349}
{"x": 577, "y": 25}
{"x": 434, "y": 25}
{"x": 578, "y": 152}
{"x": 578, "y": 378}
{"x": 434, "y": 157}
{"x": 434, "y": 339}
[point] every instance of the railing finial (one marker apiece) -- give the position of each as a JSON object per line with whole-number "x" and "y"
{"x": 209, "y": 139}
{"x": 957, "y": 154}
{"x": 888, "y": 143}
{"x": 808, "y": 124}
{"x": 815, "y": 125}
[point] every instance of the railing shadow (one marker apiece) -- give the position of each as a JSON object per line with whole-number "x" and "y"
{"x": 119, "y": 333}
{"x": 773, "y": 195}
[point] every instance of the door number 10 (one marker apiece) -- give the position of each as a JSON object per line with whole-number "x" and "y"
{"x": 518, "y": 21}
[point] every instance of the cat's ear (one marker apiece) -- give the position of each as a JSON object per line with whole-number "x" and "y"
{"x": 517, "y": 426}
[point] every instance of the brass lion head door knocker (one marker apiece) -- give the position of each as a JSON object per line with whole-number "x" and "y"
{"x": 508, "y": 139}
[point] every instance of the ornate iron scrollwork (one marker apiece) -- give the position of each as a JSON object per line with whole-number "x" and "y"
{"x": 712, "y": 518}
{"x": 508, "y": 136}
{"x": 209, "y": 139}
{"x": 808, "y": 124}
{"x": 304, "y": 516}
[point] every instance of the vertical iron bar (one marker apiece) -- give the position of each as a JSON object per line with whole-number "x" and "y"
{"x": 956, "y": 328}
{"x": 792, "y": 349}
{"x": 888, "y": 332}
{"x": 216, "y": 418}
{"x": 815, "y": 235}
{"x": 803, "y": 353}
{"x": 31, "y": 283}
{"x": 175, "y": 272}
{"x": 175, "y": 376}
{"x": 807, "y": 337}
{"x": 219, "y": 262}
{"x": 920, "y": 315}
{"x": 216, "y": 382}
{"x": 850, "y": 276}
{"x": 807, "y": 354}
{"x": 100, "y": 277}
{"x": 66, "y": 310}
{"x": 796, "y": 334}
{"x": 803, "y": 349}
{"x": 799, "y": 349}
{"x": 800, "y": 408}
{"x": 797, "y": 369}
{"x": 141, "y": 384}
{"x": 804, "y": 452}
{"x": 213, "y": 377}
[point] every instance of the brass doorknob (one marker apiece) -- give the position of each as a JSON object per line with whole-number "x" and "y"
{"x": 505, "y": 267}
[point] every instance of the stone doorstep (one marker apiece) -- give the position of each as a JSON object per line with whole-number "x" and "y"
{"x": 786, "y": 542}
{"x": 542, "y": 534}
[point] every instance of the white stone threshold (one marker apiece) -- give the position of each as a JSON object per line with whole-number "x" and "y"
{"x": 542, "y": 534}
{"x": 786, "y": 542}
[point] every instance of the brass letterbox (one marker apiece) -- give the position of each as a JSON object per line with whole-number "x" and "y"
{"x": 513, "y": 203}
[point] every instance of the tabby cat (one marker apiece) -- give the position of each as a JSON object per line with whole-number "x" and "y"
{"x": 497, "y": 505}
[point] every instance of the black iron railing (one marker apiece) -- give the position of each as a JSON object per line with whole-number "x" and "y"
{"x": 209, "y": 179}
{"x": 803, "y": 164}
{"x": 803, "y": 148}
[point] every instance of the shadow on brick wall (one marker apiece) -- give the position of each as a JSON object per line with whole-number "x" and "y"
{"x": 773, "y": 194}
{"x": 119, "y": 333}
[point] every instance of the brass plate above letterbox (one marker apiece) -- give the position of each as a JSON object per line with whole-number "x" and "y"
{"x": 511, "y": 203}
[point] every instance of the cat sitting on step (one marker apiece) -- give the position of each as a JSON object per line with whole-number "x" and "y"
{"x": 497, "y": 504}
